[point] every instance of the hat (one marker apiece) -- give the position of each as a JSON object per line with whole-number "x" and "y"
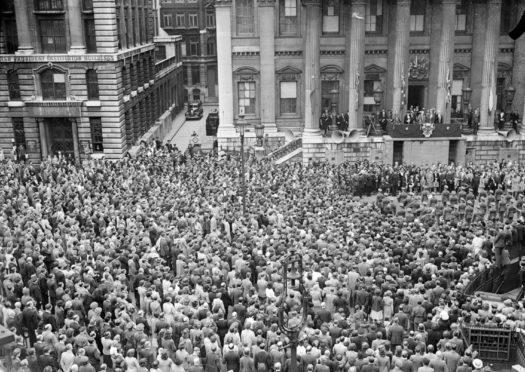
{"x": 477, "y": 363}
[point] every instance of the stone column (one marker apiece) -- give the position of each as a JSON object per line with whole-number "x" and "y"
{"x": 518, "y": 70}
{"x": 43, "y": 138}
{"x": 22, "y": 28}
{"x": 267, "y": 61}
{"x": 355, "y": 45}
{"x": 490, "y": 65}
{"x": 224, "y": 68}
{"x": 76, "y": 28}
{"x": 75, "y": 139}
{"x": 478, "y": 49}
{"x": 312, "y": 62}
{"x": 446, "y": 55}
{"x": 398, "y": 53}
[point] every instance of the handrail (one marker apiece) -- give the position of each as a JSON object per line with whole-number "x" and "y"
{"x": 286, "y": 149}
{"x": 165, "y": 63}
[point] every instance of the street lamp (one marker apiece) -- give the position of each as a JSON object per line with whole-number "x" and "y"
{"x": 259, "y": 134}
{"x": 241, "y": 123}
{"x": 293, "y": 280}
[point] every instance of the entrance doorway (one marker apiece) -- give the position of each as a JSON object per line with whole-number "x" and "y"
{"x": 60, "y": 134}
{"x": 212, "y": 82}
{"x": 398, "y": 153}
{"x": 416, "y": 96}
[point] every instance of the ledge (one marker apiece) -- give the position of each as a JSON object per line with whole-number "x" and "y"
{"x": 16, "y": 104}
{"x": 93, "y": 104}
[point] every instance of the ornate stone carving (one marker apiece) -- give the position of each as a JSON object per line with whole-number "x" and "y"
{"x": 331, "y": 72}
{"x": 419, "y": 68}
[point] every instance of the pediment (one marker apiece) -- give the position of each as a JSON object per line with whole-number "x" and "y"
{"x": 374, "y": 69}
{"x": 289, "y": 70}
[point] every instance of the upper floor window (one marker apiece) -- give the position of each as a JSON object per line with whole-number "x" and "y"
{"x": 11, "y": 35}
{"x": 89, "y": 34}
{"x": 193, "y": 20}
{"x": 331, "y": 10}
{"x": 288, "y": 17}
{"x": 507, "y": 16}
{"x": 374, "y": 16}
{"x": 53, "y": 35}
{"x": 87, "y": 5}
{"x": 19, "y": 133}
{"x": 53, "y": 84}
{"x": 167, "y": 20}
{"x": 210, "y": 19}
{"x": 160, "y": 52}
{"x": 13, "y": 85}
{"x": 92, "y": 84}
{"x": 417, "y": 15}
{"x": 461, "y": 16}
{"x": 244, "y": 15}
{"x": 194, "y": 45}
{"x": 246, "y": 92}
{"x": 97, "y": 139}
{"x": 211, "y": 50}
{"x": 49, "y": 5}
{"x": 180, "y": 20}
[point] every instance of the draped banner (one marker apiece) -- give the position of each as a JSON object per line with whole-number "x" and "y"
{"x": 420, "y": 131}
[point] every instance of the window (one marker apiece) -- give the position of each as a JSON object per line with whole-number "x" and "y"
{"x": 185, "y": 78}
{"x": 371, "y": 83}
{"x": 180, "y": 20}
{"x": 331, "y": 16}
{"x": 374, "y": 16}
{"x": 89, "y": 34}
{"x": 19, "y": 132}
{"x": 196, "y": 93}
{"x": 53, "y": 35}
{"x": 97, "y": 140}
{"x": 210, "y": 19}
{"x": 288, "y": 17}
{"x": 49, "y": 5}
{"x": 167, "y": 20}
{"x": 210, "y": 47}
{"x": 11, "y": 36}
{"x": 92, "y": 85}
{"x": 244, "y": 16}
{"x": 53, "y": 85}
{"x": 195, "y": 74}
{"x": 330, "y": 95}
{"x": 193, "y": 20}
{"x": 457, "y": 94}
{"x": 13, "y": 85}
{"x": 194, "y": 46}
{"x": 160, "y": 52}
{"x": 87, "y": 5}
{"x": 417, "y": 15}
{"x": 246, "y": 91}
{"x": 507, "y": 19}
{"x": 461, "y": 16}
{"x": 288, "y": 94}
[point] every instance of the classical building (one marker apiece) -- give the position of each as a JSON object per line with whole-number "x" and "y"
{"x": 80, "y": 77}
{"x": 194, "y": 20}
{"x": 282, "y": 63}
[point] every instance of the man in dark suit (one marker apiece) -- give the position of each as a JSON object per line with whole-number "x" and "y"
{"x": 30, "y": 321}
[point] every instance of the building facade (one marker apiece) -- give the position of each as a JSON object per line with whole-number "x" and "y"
{"x": 283, "y": 62}
{"x": 195, "y": 21}
{"x": 79, "y": 77}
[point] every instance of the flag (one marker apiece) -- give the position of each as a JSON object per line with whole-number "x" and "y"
{"x": 449, "y": 87}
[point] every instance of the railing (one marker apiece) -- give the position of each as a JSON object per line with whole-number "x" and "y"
{"x": 165, "y": 64}
{"x": 286, "y": 149}
{"x": 494, "y": 344}
{"x": 520, "y": 349}
{"x": 47, "y": 5}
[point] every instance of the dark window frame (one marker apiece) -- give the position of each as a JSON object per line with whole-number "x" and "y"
{"x": 93, "y": 92}
{"x": 13, "y": 85}
{"x": 97, "y": 136}
{"x": 59, "y": 44}
{"x": 288, "y": 25}
{"x": 51, "y": 90}
{"x": 245, "y": 17}
{"x": 19, "y": 133}
{"x": 49, "y": 5}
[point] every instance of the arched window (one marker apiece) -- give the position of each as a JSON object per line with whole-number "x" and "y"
{"x": 53, "y": 83}
{"x": 92, "y": 85}
{"x": 244, "y": 15}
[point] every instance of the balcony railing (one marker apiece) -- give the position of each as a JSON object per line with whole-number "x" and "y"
{"x": 165, "y": 64}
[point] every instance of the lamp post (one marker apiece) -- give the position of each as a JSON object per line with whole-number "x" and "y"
{"x": 467, "y": 93}
{"x": 292, "y": 272}
{"x": 259, "y": 134}
{"x": 241, "y": 123}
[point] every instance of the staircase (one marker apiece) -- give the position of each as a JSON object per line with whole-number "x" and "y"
{"x": 288, "y": 152}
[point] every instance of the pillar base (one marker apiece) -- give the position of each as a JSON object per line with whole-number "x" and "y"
{"x": 227, "y": 132}
{"x": 312, "y": 136}
{"x": 77, "y": 50}
{"x": 270, "y": 128}
{"x": 23, "y": 51}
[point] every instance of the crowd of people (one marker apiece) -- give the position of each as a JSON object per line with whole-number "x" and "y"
{"x": 148, "y": 264}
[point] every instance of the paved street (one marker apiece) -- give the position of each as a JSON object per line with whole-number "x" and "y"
{"x": 182, "y": 137}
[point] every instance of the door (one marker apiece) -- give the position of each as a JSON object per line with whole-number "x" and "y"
{"x": 416, "y": 96}
{"x": 60, "y": 136}
{"x": 212, "y": 81}
{"x": 398, "y": 153}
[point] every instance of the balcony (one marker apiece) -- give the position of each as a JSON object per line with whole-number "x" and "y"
{"x": 165, "y": 64}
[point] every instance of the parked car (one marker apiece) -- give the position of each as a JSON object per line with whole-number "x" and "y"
{"x": 212, "y": 123}
{"x": 194, "y": 110}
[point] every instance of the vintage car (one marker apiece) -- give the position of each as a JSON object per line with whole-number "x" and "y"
{"x": 194, "y": 110}
{"x": 212, "y": 123}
